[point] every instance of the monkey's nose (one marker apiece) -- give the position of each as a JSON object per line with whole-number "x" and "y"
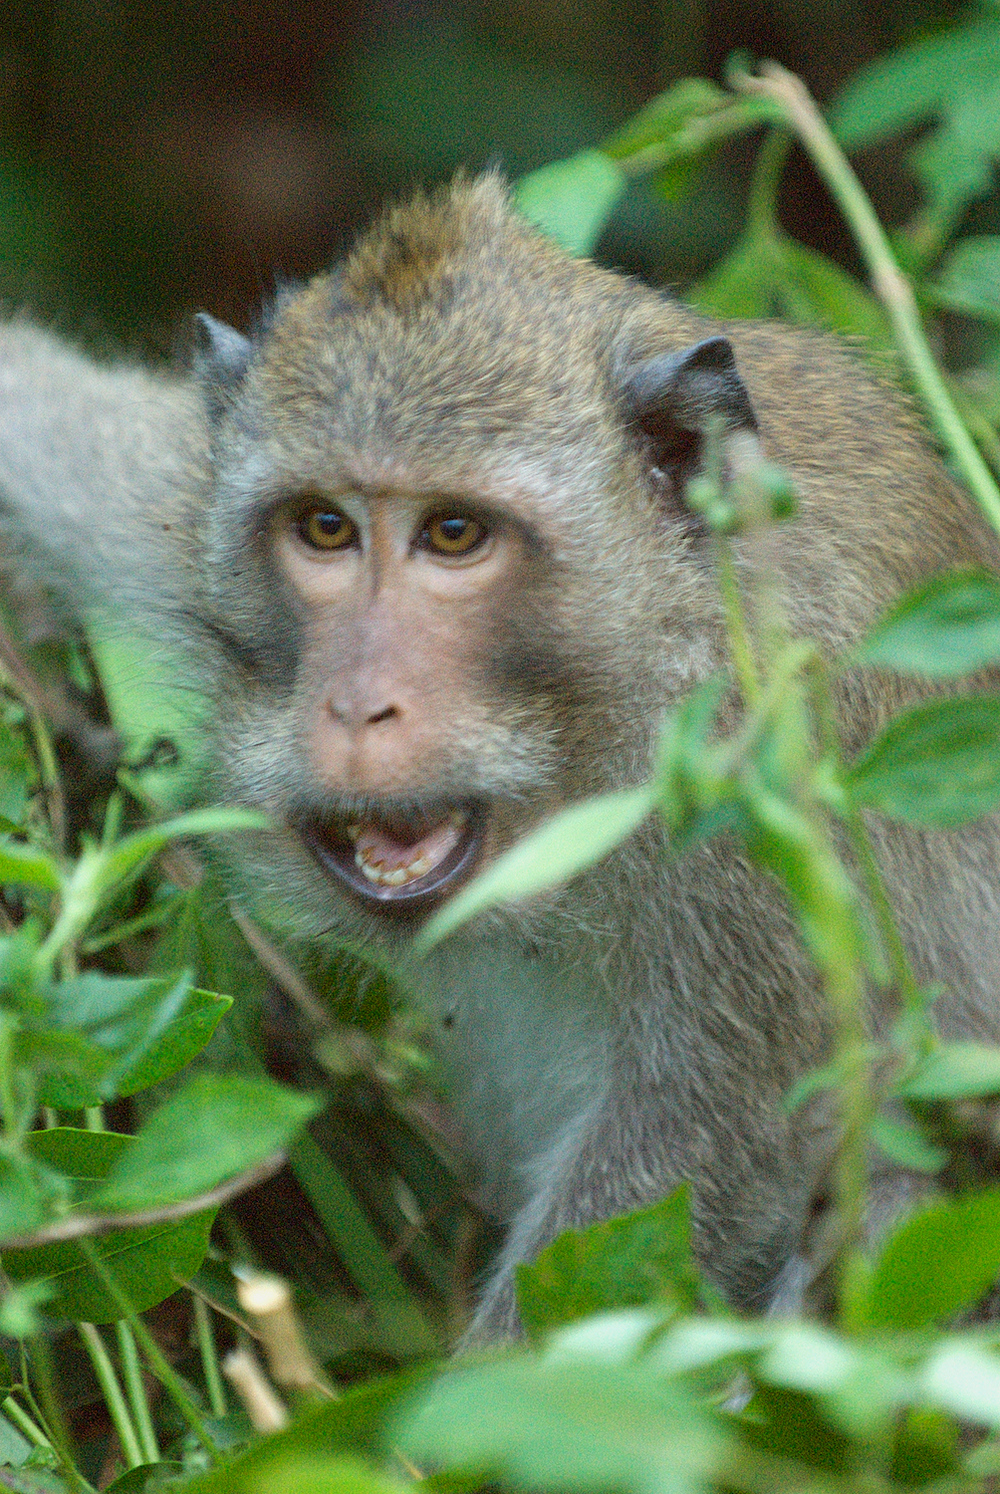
{"x": 358, "y": 715}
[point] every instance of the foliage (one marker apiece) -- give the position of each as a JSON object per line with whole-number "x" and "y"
{"x": 634, "y": 1377}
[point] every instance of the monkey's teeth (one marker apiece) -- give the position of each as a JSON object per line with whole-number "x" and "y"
{"x": 399, "y": 876}
{"x": 389, "y": 862}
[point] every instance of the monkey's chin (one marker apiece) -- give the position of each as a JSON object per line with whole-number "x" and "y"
{"x": 346, "y": 848}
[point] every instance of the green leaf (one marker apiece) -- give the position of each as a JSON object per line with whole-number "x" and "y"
{"x": 963, "y": 1378}
{"x": 669, "y": 115}
{"x": 69, "y": 1068}
{"x": 954, "y": 1071}
{"x": 951, "y": 76}
{"x": 22, "y": 1206}
{"x": 641, "y": 1257}
{"x": 25, "y": 866}
{"x": 947, "y": 627}
{"x": 937, "y": 1262}
{"x": 571, "y": 201}
{"x": 907, "y": 1146}
{"x": 134, "y": 849}
{"x": 937, "y": 765}
{"x": 149, "y": 1028}
{"x": 571, "y": 840}
{"x": 768, "y": 274}
{"x": 543, "y": 1424}
{"x": 212, "y": 1128}
{"x": 293, "y": 1473}
{"x": 149, "y": 1264}
{"x": 148, "y": 1478}
{"x": 969, "y": 278}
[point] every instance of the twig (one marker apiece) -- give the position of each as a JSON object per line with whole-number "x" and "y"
{"x": 78, "y": 1226}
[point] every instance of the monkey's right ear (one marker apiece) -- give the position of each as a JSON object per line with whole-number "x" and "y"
{"x": 221, "y": 355}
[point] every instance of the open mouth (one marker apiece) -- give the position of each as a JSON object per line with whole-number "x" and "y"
{"x": 403, "y": 861}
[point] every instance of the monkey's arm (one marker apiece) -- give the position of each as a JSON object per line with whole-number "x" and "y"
{"x": 99, "y": 468}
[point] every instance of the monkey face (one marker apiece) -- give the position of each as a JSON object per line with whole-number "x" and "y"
{"x": 446, "y": 550}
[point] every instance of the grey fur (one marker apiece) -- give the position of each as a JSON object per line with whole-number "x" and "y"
{"x": 642, "y": 1025}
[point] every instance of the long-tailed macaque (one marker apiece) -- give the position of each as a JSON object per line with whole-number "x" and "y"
{"x": 423, "y": 540}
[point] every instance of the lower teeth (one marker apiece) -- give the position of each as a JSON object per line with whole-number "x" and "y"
{"x": 396, "y": 878}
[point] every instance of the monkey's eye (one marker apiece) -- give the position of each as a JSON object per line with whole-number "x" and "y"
{"x": 452, "y": 534}
{"x": 326, "y": 529}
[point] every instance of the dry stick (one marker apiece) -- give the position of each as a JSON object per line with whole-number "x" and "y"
{"x": 266, "y": 1412}
{"x": 268, "y": 1301}
{"x": 78, "y": 1226}
{"x": 888, "y": 281}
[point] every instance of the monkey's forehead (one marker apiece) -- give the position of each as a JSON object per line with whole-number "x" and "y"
{"x": 453, "y": 308}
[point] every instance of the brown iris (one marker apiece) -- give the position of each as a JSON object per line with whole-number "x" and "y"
{"x": 452, "y": 534}
{"x": 326, "y": 529}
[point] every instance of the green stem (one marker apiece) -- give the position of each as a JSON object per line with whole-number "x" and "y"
{"x": 888, "y": 280}
{"x": 736, "y": 628}
{"x": 138, "y": 1400}
{"x": 764, "y": 183}
{"x": 209, "y": 1358}
{"x": 112, "y": 1392}
{"x": 885, "y": 919}
{"x": 155, "y": 1358}
{"x": 52, "y": 1414}
{"x": 23, "y": 1422}
{"x": 9, "y": 1108}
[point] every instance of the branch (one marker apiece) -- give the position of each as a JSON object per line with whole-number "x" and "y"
{"x": 76, "y": 1226}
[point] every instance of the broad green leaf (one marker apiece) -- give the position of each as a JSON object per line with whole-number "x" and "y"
{"x": 670, "y": 114}
{"x": 937, "y": 765}
{"x": 68, "y": 1066}
{"x": 969, "y": 279}
{"x": 25, "y": 866}
{"x": 571, "y": 840}
{"x": 913, "y": 83}
{"x": 952, "y": 77}
{"x": 22, "y": 1206}
{"x": 571, "y": 201}
{"x": 566, "y": 1426}
{"x": 964, "y": 1378}
{"x": 947, "y": 627}
{"x": 907, "y": 1146}
{"x": 768, "y": 274}
{"x": 355, "y": 1424}
{"x": 641, "y": 1257}
{"x": 149, "y": 1028}
{"x": 14, "y": 1450}
{"x": 147, "y": 1263}
{"x": 293, "y": 1473}
{"x": 215, "y": 1126}
{"x": 955, "y": 1071}
{"x": 937, "y": 1262}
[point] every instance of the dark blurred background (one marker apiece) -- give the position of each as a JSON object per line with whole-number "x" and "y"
{"x": 156, "y": 157}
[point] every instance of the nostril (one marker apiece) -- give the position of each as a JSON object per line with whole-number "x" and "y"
{"x": 384, "y": 715}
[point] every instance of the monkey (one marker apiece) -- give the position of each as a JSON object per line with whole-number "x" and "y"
{"x": 421, "y": 538}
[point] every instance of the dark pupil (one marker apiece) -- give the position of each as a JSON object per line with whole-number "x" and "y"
{"x": 453, "y": 530}
{"x": 329, "y": 525}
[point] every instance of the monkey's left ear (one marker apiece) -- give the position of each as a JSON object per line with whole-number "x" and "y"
{"x": 221, "y": 355}
{"x": 674, "y": 398}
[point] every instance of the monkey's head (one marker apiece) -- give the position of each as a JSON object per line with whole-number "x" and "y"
{"x": 446, "y": 550}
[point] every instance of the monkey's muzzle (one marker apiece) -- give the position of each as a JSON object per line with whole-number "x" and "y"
{"x": 402, "y": 863}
